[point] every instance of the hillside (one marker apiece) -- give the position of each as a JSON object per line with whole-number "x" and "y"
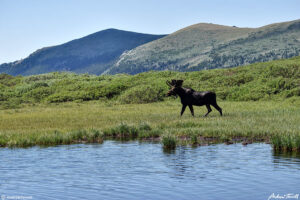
{"x": 91, "y": 54}
{"x": 273, "y": 80}
{"x": 208, "y": 46}
{"x": 197, "y": 47}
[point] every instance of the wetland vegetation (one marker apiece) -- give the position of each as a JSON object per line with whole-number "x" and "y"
{"x": 94, "y": 121}
{"x": 260, "y": 103}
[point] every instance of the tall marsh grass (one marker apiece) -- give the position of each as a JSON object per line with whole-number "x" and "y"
{"x": 169, "y": 141}
{"x": 286, "y": 142}
{"x": 50, "y": 139}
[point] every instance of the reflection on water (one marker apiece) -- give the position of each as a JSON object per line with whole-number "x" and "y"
{"x": 286, "y": 160}
{"x": 133, "y": 170}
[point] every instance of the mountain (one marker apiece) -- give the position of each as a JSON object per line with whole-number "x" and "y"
{"x": 208, "y": 46}
{"x": 94, "y": 54}
{"x": 197, "y": 47}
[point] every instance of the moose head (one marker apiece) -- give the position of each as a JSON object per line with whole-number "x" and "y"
{"x": 174, "y": 85}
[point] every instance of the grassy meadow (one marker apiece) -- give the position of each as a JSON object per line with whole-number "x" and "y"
{"x": 260, "y": 103}
{"x": 94, "y": 121}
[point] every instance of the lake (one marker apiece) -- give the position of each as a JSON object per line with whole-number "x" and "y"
{"x": 134, "y": 170}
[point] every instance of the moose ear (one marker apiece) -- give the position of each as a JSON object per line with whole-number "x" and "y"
{"x": 179, "y": 83}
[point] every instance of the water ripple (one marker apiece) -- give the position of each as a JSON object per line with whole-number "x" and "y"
{"x": 135, "y": 170}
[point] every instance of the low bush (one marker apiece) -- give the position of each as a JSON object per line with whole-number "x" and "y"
{"x": 278, "y": 79}
{"x": 143, "y": 94}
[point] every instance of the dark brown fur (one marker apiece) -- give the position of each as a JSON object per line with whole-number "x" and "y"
{"x": 190, "y": 97}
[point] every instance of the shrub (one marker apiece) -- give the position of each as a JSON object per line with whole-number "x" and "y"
{"x": 143, "y": 94}
{"x": 271, "y": 80}
{"x": 60, "y": 97}
{"x": 39, "y": 93}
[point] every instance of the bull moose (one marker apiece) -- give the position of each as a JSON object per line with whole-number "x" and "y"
{"x": 190, "y": 97}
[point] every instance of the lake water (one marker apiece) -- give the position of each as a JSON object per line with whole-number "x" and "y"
{"x": 134, "y": 170}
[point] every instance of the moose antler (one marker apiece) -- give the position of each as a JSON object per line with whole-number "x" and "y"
{"x": 176, "y": 83}
{"x": 169, "y": 83}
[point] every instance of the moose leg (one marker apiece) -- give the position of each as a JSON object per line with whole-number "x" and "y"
{"x": 182, "y": 110}
{"x": 218, "y": 108}
{"x": 208, "y": 110}
{"x": 191, "y": 109}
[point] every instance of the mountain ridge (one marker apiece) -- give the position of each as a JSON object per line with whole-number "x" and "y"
{"x": 93, "y": 53}
{"x": 192, "y": 48}
{"x": 208, "y": 46}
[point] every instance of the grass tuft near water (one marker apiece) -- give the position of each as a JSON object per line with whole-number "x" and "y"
{"x": 169, "y": 141}
{"x": 194, "y": 139}
{"x": 287, "y": 142}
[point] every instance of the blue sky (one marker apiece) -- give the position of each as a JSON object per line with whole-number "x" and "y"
{"x": 27, "y": 25}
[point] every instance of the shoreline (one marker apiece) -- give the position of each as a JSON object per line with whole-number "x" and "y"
{"x": 273, "y": 122}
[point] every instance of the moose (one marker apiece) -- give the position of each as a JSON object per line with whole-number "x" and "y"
{"x": 190, "y": 97}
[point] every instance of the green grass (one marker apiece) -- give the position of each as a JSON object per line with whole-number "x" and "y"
{"x": 169, "y": 141}
{"x": 260, "y": 102}
{"x": 122, "y": 131}
{"x": 276, "y": 80}
{"x": 50, "y": 138}
{"x": 289, "y": 142}
{"x": 59, "y": 123}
